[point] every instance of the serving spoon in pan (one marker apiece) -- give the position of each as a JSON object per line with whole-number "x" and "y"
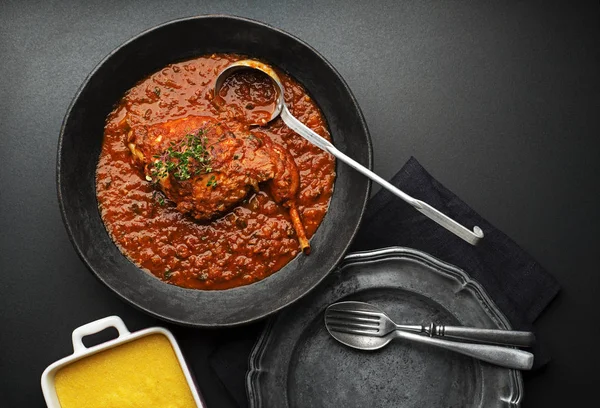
{"x": 281, "y": 110}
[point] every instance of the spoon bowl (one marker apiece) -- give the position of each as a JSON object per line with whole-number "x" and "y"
{"x": 359, "y": 342}
{"x": 264, "y": 68}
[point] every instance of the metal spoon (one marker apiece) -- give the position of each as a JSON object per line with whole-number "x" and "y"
{"x": 281, "y": 109}
{"x": 501, "y": 356}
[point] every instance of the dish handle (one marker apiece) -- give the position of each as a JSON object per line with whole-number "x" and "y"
{"x": 96, "y": 327}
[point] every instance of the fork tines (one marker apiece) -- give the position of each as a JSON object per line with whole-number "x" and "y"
{"x": 352, "y": 321}
{"x": 351, "y": 312}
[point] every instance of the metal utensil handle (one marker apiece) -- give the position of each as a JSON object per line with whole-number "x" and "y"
{"x": 501, "y": 356}
{"x": 471, "y": 237}
{"x": 504, "y": 337}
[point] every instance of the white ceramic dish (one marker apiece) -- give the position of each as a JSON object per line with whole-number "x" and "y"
{"x": 80, "y": 351}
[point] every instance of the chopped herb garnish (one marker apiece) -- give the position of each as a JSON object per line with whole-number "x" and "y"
{"x": 236, "y": 156}
{"x": 157, "y": 91}
{"x": 212, "y": 182}
{"x": 159, "y": 197}
{"x": 184, "y": 159}
{"x": 168, "y": 274}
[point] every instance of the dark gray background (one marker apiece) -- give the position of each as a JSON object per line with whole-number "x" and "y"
{"x": 498, "y": 100}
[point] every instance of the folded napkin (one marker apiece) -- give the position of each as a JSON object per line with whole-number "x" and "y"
{"x": 519, "y": 286}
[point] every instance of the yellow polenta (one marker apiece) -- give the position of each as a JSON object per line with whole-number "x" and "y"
{"x": 142, "y": 373}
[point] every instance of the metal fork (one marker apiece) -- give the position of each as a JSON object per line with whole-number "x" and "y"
{"x": 363, "y": 318}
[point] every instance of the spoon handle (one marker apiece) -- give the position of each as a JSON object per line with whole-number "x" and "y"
{"x": 471, "y": 237}
{"x": 504, "y": 337}
{"x": 501, "y": 356}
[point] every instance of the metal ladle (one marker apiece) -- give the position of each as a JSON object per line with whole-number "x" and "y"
{"x": 281, "y": 109}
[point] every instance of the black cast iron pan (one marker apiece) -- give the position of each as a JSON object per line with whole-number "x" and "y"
{"x": 79, "y": 148}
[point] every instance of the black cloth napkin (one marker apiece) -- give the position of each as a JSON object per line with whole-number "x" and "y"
{"x": 519, "y": 286}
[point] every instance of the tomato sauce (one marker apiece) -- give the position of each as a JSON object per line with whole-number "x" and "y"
{"x": 248, "y": 243}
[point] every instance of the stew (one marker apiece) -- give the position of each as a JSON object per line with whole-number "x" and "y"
{"x": 194, "y": 194}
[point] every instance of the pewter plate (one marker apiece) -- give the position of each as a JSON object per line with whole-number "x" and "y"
{"x": 296, "y": 363}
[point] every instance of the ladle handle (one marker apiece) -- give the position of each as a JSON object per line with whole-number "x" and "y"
{"x": 471, "y": 237}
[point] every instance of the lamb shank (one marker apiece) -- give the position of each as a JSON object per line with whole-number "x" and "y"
{"x": 206, "y": 169}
